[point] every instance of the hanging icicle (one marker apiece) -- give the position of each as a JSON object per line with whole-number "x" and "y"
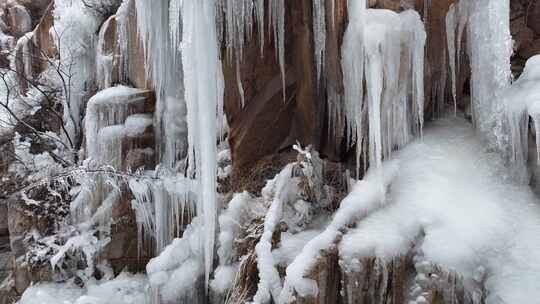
{"x": 203, "y": 79}
{"x": 319, "y": 35}
{"x": 385, "y": 51}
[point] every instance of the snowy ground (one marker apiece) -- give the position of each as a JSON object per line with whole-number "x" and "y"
{"x": 125, "y": 289}
{"x": 475, "y": 219}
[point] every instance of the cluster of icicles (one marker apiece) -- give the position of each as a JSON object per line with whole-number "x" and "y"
{"x": 383, "y": 102}
{"x": 181, "y": 43}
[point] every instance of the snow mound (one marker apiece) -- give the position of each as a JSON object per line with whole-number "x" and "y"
{"x": 455, "y": 191}
{"x": 124, "y": 289}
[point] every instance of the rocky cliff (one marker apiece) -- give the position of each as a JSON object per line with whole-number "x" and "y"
{"x": 101, "y": 128}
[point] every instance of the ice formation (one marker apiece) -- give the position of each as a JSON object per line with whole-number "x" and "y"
{"x": 452, "y": 189}
{"x": 160, "y": 31}
{"x": 124, "y": 289}
{"x": 163, "y": 207}
{"x": 520, "y": 102}
{"x": 109, "y": 108}
{"x": 74, "y": 33}
{"x": 450, "y": 23}
{"x": 104, "y": 60}
{"x": 174, "y": 273}
{"x": 489, "y": 49}
{"x": 319, "y": 35}
{"x": 238, "y": 18}
{"x": 443, "y": 186}
{"x": 393, "y": 102}
{"x": 203, "y": 80}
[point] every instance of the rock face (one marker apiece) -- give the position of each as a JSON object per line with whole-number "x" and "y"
{"x": 533, "y": 16}
{"x": 34, "y": 49}
{"x": 127, "y": 62}
{"x": 303, "y": 116}
{"x": 271, "y": 116}
{"x": 272, "y": 121}
{"x": 525, "y": 28}
{"x": 388, "y": 280}
{"x": 265, "y": 118}
{"x": 19, "y": 20}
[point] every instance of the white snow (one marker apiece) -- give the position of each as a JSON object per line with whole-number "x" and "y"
{"x": 109, "y": 107}
{"x": 367, "y": 195}
{"x": 136, "y": 124}
{"x": 175, "y": 272}
{"x": 124, "y": 289}
{"x": 278, "y": 192}
{"x": 292, "y": 244}
{"x": 224, "y": 277}
{"x": 450, "y": 186}
{"x": 230, "y": 224}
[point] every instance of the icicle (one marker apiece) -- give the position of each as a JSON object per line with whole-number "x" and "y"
{"x": 260, "y": 21}
{"x": 419, "y": 41}
{"x": 391, "y": 55}
{"x": 159, "y": 26}
{"x": 451, "y": 41}
{"x": 374, "y": 43}
{"x": 319, "y": 35}
{"x": 277, "y": 20}
{"x": 161, "y": 207}
{"x": 104, "y": 60}
{"x": 122, "y": 28}
{"x": 110, "y": 145}
{"x": 204, "y": 87}
{"x": 353, "y": 73}
{"x": 333, "y": 12}
{"x": 462, "y": 12}
{"x": 427, "y": 7}
{"x": 239, "y": 83}
{"x": 24, "y": 47}
{"x": 536, "y": 120}
{"x": 490, "y": 51}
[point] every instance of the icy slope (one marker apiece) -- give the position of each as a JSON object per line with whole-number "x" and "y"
{"x": 475, "y": 219}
